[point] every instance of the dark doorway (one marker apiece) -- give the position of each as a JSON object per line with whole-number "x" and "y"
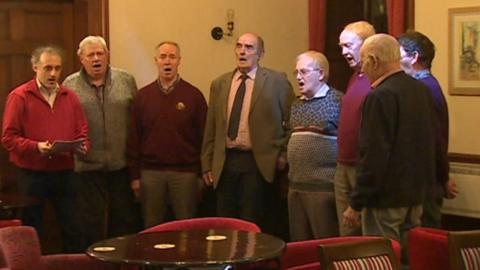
{"x": 339, "y": 14}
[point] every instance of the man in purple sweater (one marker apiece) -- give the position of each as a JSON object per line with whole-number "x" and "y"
{"x": 165, "y": 140}
{"x": 417, "y": 52}
{"x": 351, "y": 39}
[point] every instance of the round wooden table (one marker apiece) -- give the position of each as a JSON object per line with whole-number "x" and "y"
{"x": 190, "y": 248}
{"x": 12, "y": 204}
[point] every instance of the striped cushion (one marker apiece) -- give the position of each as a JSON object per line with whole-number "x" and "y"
{"x": 471, "y": 258}
{"x": 369, "y": 263}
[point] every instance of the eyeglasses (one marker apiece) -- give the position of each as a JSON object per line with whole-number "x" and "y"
{"x": 303, "y": 72}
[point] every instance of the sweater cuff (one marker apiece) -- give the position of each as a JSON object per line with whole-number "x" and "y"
{"x": 33, "y": 147}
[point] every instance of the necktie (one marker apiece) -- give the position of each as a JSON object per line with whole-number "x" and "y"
{"x": 237, "y": 109}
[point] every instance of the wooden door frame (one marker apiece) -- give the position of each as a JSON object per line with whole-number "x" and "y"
{"x": 91, "y": 17}
{"x": 96, "y": 15}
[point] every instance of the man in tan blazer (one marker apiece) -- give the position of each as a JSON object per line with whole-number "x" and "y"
{"x": 246, "y": 132}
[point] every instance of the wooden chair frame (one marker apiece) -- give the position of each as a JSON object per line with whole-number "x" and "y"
{"x": 458, "y": 241}
{"x": 329, "y": 253}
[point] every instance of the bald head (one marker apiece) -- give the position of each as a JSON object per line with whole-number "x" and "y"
{"x": 383, "y": 46}
{"x": 351, "y": 39}
{"x": 362, "y": 29}
{"x": 380, "y": 54}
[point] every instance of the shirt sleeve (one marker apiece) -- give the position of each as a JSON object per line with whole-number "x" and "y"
{"x": 12, "y": 135}
{"x": 375, "y": 142}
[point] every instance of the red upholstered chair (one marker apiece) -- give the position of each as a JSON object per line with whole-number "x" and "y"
{"x": 20, "y": 250}
{"x": 205, "y": 224}
{"x": 303, "y": 255}
{"x": 464, "y": 250}
{"x": 10, "y": 222}
{"x": 374, "y": 254}
{"x": 428, "y": 249}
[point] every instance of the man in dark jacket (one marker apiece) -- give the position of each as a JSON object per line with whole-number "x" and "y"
{"x": 397, "y": 145}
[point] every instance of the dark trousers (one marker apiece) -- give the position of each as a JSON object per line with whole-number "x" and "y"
{"x": 432, "y": 215}
{"x": 241, "y": 187}
{"x": 59, "y": 188}
{"x": 107, "y": 205}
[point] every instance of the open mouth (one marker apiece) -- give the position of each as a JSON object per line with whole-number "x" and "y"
{"x": 98, "y": 65}
{"x": 242, "y": 59}
{"x": 349, "y": 58}
{"x": 167, "y": 69}
{"x": 301, "y": 84}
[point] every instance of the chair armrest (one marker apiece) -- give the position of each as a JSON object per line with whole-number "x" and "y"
{"x": 300, "y": 253}
{"x": 75, "y": 262}
{"x": 303, "y": 254}
{"x": 428, "y": 249}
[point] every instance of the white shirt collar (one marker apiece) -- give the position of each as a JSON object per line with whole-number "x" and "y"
{"x": 251, "y": 74}
{"x": 321, "y": 92}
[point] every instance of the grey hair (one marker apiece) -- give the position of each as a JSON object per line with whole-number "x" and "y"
{"x": 51, "y": 49}
{"x": 319, "y": 60}
{"x": 91, "y": 40}
{"x": 362, "y": 29}
{"x": 260, "y": 43}
{"x": 173, "y": 43}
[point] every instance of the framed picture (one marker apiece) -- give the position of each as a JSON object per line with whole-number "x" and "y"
{"x": 464, "y": 51}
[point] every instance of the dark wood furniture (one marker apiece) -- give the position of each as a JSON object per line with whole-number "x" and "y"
{"x": 190, "y": 248}
{"x": 370, "y": 254}
{"x": 464, "y": 249}
{"x": 11, "y": 205}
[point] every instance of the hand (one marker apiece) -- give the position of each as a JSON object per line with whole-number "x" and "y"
{"x": 451, "y": 190}
{"x": 135, "y": 186}
{"x": 351, "y": 218}
{"x": 208, "y": 178}
{"x": 200, "y": 188}
{"x": 81, "y": 149}
{"x": 281, "y": 162}
{"x": 44, "y": 147}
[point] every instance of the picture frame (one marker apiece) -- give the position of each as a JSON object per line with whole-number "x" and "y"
{"x": 464, "y": 51}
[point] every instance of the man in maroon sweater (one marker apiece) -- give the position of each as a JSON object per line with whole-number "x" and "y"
{"x": 350, "y": 41}
{"x": 165, "y": 141}
{"x": 37, "y": 114}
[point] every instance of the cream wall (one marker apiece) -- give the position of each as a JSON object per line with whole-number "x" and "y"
{"x": 431, "y": 18}
{"x": 137, "y": 26}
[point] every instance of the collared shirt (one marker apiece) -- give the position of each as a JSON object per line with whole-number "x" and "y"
{"x": 321, "y": 92}
{"x": 47, "y": 94}
{"x": 243, "y": 138}
{"x": 171, "y": 87}
{"x": 384, "y": 76}
{"x": 421, "y": 74}
{"x": 99, "y": 91}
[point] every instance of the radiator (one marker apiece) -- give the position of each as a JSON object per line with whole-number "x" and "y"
{"x": 467, "y": 202}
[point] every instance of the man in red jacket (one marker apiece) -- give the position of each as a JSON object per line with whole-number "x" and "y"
{"x": 38, "y": 114}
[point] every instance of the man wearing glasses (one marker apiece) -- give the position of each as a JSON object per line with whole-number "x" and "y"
{"x": 312, "y": 151}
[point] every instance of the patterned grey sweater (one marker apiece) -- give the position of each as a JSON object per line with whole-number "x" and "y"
{"x": 108, "y": 122}
{"x": 312, "y": 148}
